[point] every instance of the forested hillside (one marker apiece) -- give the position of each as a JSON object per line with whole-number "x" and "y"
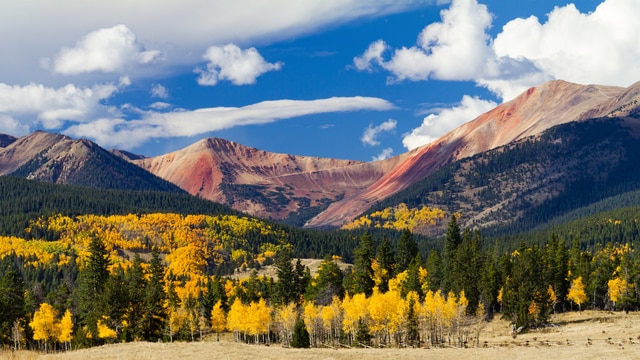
{"x": 528, "y": 183}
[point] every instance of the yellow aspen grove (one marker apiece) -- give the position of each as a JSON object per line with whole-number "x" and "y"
{"x": 44, "y": 324}
{"x": 235, "y": 318}
{"x": 461, "y": 308}
{"x": 354, "y": 309}
{"x": 65, "y": 329}
{"x": 286, "y": 317}
{"x": 387, "y": 314}
{"x": 104, "y": 331}
{"x": 218, "y": 319}
{"x": 577, "y": 293}
{"x": 313, "y": 321}
{"x": 258, "y": 318}
{"x": 617, "y": 288}
{"x": 332, "y": 319}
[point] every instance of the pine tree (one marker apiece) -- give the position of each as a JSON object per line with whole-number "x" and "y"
{"x": 92, "y": 280}
{"x": 407, "y": 250}
{"x": 452, "y": 241}
{"x": 12, "y": 303}
{"x": 386, "y": 264}
{"x": 136, "y": 289}
{"x": 285, "y": 289}
{"x": 155, "y": 312}
{"x": 300, "y": 337}
{"x": 362, "y": 270}
{"x": 434, "y": 269}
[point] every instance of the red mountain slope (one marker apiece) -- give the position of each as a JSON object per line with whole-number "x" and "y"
{"x": 532, "y": 112}
{"x": 261, "y": 183}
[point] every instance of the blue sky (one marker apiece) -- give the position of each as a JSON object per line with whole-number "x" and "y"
{"x": 346, "y": 79}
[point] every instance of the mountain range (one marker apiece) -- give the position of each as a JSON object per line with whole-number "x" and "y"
{"x": 538, "y": 149}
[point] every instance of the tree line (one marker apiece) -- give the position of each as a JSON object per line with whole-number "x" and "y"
{"x": 391, "y": 295}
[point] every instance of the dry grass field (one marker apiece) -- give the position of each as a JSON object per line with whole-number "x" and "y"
{"x": 585, "y": 335}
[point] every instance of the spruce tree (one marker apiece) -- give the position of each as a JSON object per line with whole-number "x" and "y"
{"x": 12, "y": 303}
{"x": 155, "y": 312}
{"x": 287, "y": 288}
{"x": 92, "y": 280}
{"x": 363, "y": 281}
{"x": 300, "y": 338}
{"x": 452, "y": 240}
{"x": 407, "y": 250}
{"x": 386, "y": 262}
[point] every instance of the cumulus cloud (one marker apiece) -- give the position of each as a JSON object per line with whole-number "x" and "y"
{"x": 371, "y": 133}
{"x": 25, "y": 107}
{"x": 106, "y": 50}
{"x": 159, "y": 91}
{"x": 229, "y": 62}
{"x": 385, "y": 154}
{"x": 131, "y": 133}
{"x": 598, "y": 47}
{"x": 453, "y": 49}
{"x": 441, "y": 122}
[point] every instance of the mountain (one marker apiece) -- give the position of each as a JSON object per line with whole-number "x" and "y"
{"x": 327, "y": 193}
{"x": 531, "y": 181}
{"x": 60, "y": 159}
{"x": 261, "y": 183}
{"x": 6, "y": 140}
{"x": 534, "y": 111}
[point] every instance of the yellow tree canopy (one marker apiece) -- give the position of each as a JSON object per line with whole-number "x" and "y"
{"x": 576, "y": 292}
{"x": 44, "y": 323}
{"x": 218, "y": 318}
{"x": 65, "y": 327}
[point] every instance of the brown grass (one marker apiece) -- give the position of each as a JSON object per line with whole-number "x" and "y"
{"x": 585, "y": 335}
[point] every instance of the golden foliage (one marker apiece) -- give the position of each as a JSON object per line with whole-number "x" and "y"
{"x": 399, "y": 218}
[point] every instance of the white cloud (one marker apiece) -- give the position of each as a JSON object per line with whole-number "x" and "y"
{"x": 129, "y": 134}
{"x": 176, "y": 31}
{"x": 159, "y": 91}
{"x": 600, "y": 47}
{"x": 160, "y": 105}
{"x": 453, "y": 49}
{"x": 106, "y": 50}
{"x": 371, "y": 133}
{"x": 35, "y": 105}
{"x": 385, "y": 154}
{"x": 438, "y": 124}
{"x": 229, "y": 62}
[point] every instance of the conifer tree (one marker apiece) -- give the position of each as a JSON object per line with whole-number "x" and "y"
{"x": 362, "y": 271}
{"x": 92, "y": 280}
{"x": 155, "y": 312}
{"x": 407, "y": 250}
{"x": 300, "y": 338}
{"x": 434, "y": 269}
{"x": 386, "y": 264}
{"x": 452, "y": 241}
{"x": 12, "y": 303}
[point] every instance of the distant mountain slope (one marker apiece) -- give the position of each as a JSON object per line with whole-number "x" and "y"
{"x": 6, "y": 140}
{"x": 529, "y": 182}
{"x": 59, "y": 159}
{"x": 532, "y": 112}
{"x": 23, "y": 200}
{"x": 261, "y": 183}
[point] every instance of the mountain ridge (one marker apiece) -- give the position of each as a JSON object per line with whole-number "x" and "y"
{"x": 312, "y": 191}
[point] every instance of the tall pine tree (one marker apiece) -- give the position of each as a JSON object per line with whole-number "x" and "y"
{"x": 363, "y": 281}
